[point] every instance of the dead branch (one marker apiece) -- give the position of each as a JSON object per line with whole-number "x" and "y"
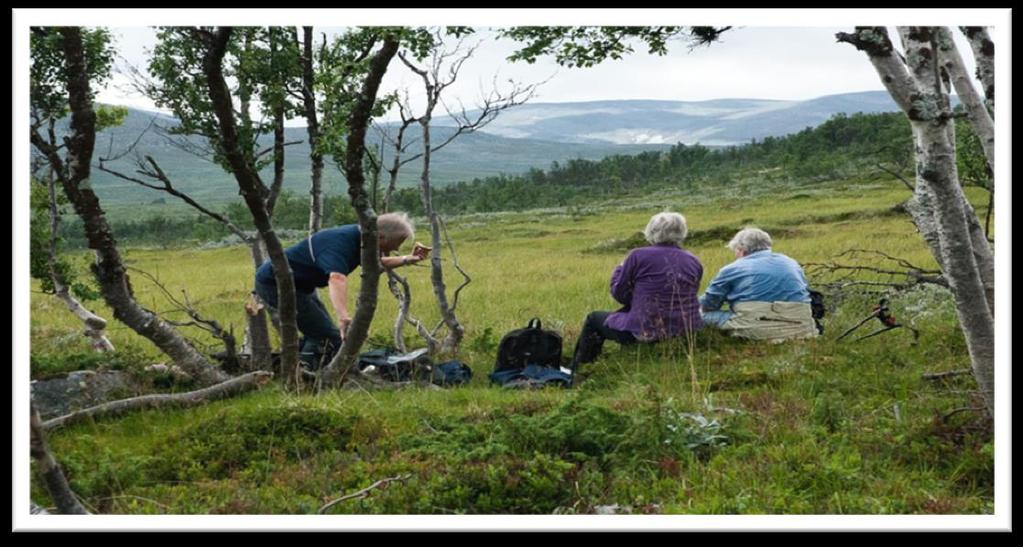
{"x": 948, "y": 374}
{"x": 53, "y": 477}
{"x": 949, "y": 415}
{"x": 94, "y": 324}
{"x": 404, "y": 297}
{"x": 271, "y": 148}
{"x": 209, "y": 325}
{"x": 365, "y": 491}
{"x": 898, "y": 176}
{"x": 843, "y": 275}
{"x": 153, "y": 171}
{"x": 223, "y": 390}
{"x": 454, "y": 262}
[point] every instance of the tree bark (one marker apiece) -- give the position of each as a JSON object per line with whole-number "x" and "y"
{"x": 980, "y": 119}
{"x": 336, "y": 370}
{"x": 109, "y": 268}
{"x": 54, "y": 479}
{"x": 939, "y": 208}
{"x": 223, "y": 390}
{"x": 455, "y": 329}
{"x": 253, "y": 191}
{"x": 94, "y": 324}
{"x": 984, "y": 54}
{"x": 313, "y": 129}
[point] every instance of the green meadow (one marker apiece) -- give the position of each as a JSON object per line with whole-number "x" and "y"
{"x": 708, "y": 425}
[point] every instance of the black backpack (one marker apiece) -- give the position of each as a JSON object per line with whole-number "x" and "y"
{"x": 817, "y": 309}
{"x": 529, "y": 346}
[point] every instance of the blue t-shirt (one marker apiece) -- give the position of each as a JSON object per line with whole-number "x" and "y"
{"x": 335, "y": 250}
{"x": 761, "y": 276}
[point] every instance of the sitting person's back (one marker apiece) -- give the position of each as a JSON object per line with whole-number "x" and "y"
{"x": 656, "y": 286}
{"x": 766, "y": 291}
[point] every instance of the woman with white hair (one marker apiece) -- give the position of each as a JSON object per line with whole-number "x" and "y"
{"x": 325, "y": 259}
{"x": 767, "y": 293}
{"x": 656, "y": 286}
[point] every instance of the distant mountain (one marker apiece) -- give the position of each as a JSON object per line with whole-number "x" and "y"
{"x": 721, "y": 122}
{"x": 468, "y": 156}
{"x": 524, "y": 137}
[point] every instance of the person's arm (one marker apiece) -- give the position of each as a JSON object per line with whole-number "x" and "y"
{"x": 622, "y": 281}
{"x": 337, "y": 286}
{"x": 717, "y": 292}
{"x": 391, "y": 262}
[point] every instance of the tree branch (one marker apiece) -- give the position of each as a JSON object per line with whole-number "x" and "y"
{"x": 365, "y": 491}
{"x": 223, "y": 390}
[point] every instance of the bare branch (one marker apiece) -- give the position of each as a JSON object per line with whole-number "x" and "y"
{"x": 271, "y": 148}
{"x": 365, "y": 491}
{"x": 897, "y": 175}
{"x": 454, "y": 262}
{"x": 948, "y": 374}
{"x": 234, "y": 386}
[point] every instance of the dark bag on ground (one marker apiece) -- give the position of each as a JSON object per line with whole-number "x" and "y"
{"x": 530, "y": 348}
{"x": 817, "y": 309}
{"x": 531, "y": 377}
{"x": 451, "y": 373}
{"x": 391, "y": 365}
{"x": 394, "y": 366}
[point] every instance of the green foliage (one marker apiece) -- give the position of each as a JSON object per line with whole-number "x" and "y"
{"x": 39, "y": 248}
{"x": 971, "y": 163}
{"x": 73, "y": 353}
{"x": 48, "y": 78}
{"x": 588, "y": 46}
{"x": 249, "y": 444}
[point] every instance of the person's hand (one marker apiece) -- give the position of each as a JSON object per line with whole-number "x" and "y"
{"x": 420, "y": 251}
{"x": 342, "y": 325}
{"x": 413, "y": 258}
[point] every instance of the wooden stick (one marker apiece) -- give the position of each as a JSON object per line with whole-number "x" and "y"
{"x": 222, "y": 390}
{"x": 364, "y": 492}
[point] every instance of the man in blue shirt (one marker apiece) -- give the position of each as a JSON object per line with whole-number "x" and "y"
{"x": 766, "y": 292}
{"x": 325, "y": 260}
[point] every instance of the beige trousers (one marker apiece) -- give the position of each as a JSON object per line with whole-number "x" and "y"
{"x": 774, "y": 321}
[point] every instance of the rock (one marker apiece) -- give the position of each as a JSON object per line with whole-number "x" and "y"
{"x": 80, "y": 389}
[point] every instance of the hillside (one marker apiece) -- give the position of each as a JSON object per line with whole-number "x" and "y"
{"x": 530, "y": 136}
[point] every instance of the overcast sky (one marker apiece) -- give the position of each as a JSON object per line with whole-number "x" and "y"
{"x": 765, "y": 57}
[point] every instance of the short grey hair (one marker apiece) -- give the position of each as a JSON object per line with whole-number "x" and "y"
{"x": 666, "y": 227}
{"x": 750, "y": 240}
{"x": 395, "y": 227}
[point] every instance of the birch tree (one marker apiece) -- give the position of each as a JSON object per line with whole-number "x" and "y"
{"x": 352, "y": 150}
{"x": 444, "y": 65}
{"x": 920, "y": 81}
{"x": 64, "y": 61}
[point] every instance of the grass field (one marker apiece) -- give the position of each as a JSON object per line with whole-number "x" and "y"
{"x": 705, "y": 426}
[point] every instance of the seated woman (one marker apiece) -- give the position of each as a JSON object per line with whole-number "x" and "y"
{"x": 657, "y": 287}
{"x": 766, "y": 291}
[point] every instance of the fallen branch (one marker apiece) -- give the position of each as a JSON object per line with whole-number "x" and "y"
{"x": 949, "y": 374}
{"x": 365, "y": 491}
{"x": 223, "y": 390}
{"x": 54, "y": 479}
{"x": 963, "y": 409}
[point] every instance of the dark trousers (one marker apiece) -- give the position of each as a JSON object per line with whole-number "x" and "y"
{"x": 591, "y": 340}
{"x": 313, "y": 320}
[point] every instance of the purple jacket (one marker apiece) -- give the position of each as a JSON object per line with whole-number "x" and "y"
{"x": 658, "y": 286}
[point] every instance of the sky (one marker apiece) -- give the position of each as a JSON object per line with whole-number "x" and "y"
{"x": 766, "y": 55}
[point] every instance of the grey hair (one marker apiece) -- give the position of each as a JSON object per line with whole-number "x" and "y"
{"x": 395, "y": 227}
{"x": 750, "y": 240}
{"x": 666, "y": 227}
